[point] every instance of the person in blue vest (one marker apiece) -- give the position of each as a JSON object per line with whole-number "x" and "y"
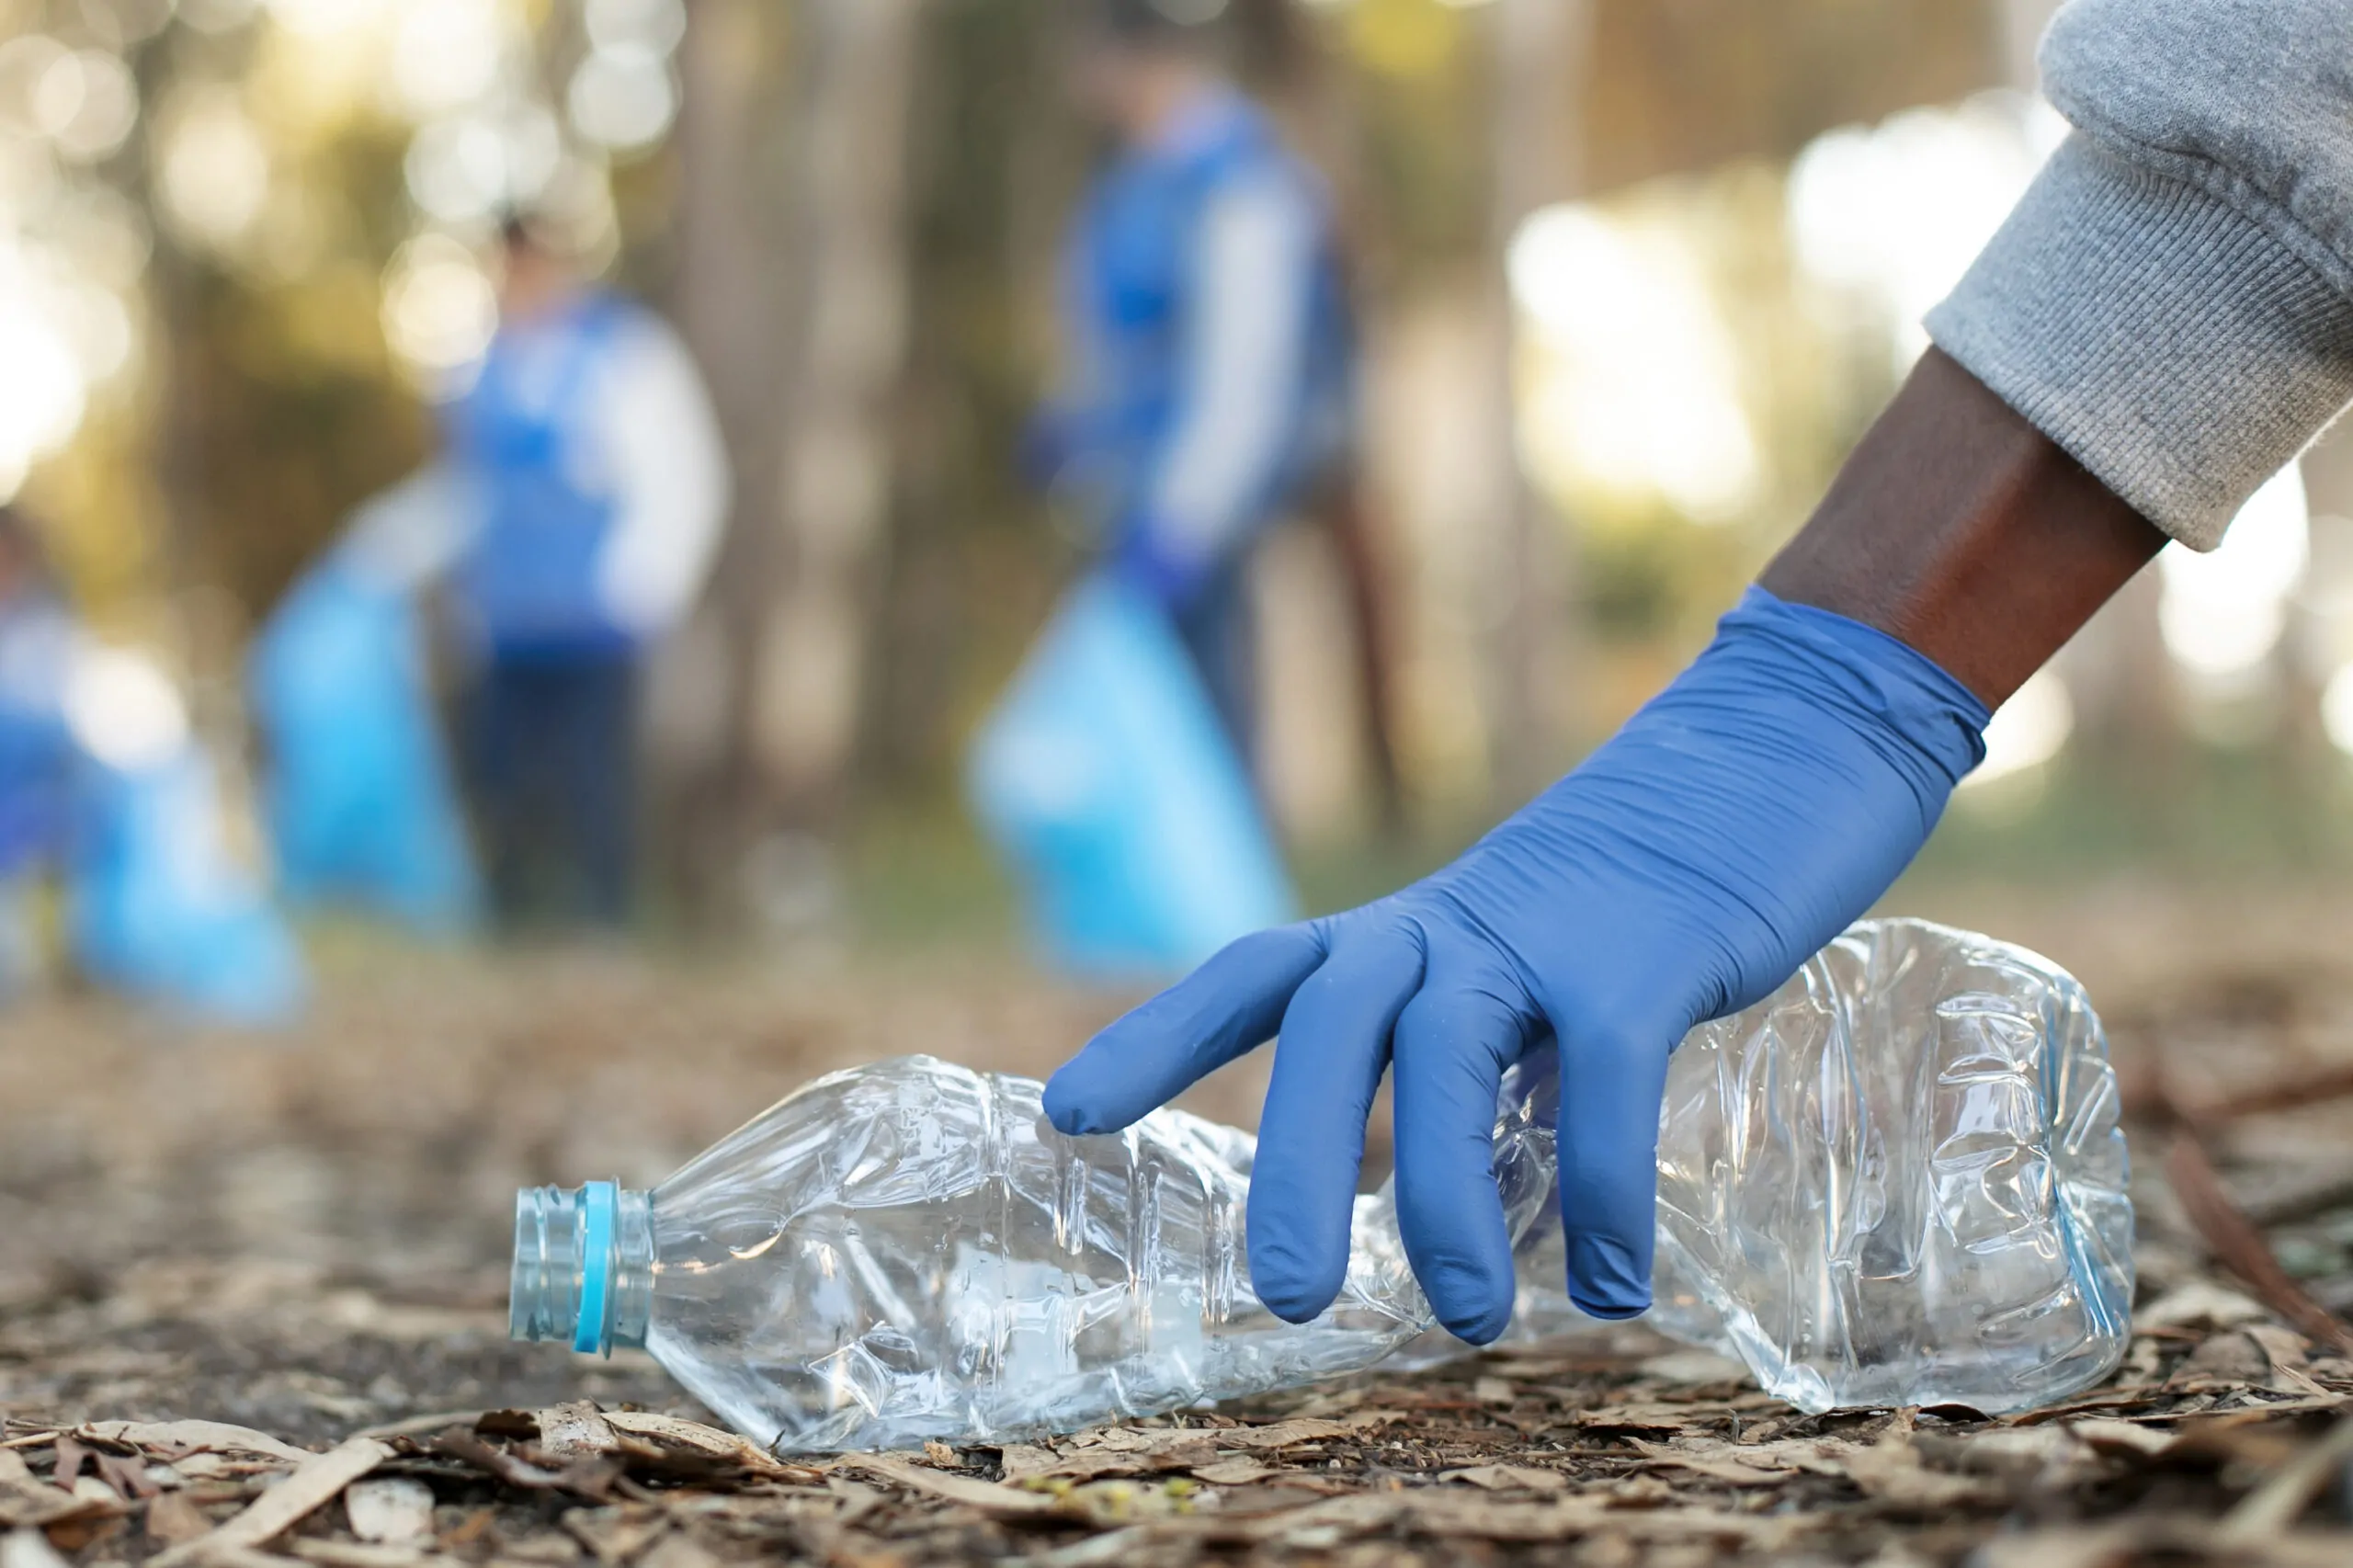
{"x": 37, "y": 641}
{"x": 592, "y": 465}
{"x": 1208, "y": 363}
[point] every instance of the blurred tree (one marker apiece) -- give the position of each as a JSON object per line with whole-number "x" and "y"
{"x": 798, "y": 595}
{"x": 1681, "y": 85}
{"x": 1541, "y": 78}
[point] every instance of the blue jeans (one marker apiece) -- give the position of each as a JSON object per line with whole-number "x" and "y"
{"x": 551, "y": 745}
{"x": 1220, "y": 633}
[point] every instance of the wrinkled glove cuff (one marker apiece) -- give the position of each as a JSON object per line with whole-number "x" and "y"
{"x": 1145, "y": 565}
{"x": 1921, "y": 720}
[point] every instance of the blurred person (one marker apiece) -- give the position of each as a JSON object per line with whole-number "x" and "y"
{"x": 1208, "y": 358}
{"x": 2165, "y": 320}
{"x": 36, "y": 641}
{"x": 595, "y": 485}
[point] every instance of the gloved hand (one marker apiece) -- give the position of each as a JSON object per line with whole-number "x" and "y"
{"x": 1145, "y": 558}
{"x": 1046, "y": 444}
{"x": 1734, "y": 825}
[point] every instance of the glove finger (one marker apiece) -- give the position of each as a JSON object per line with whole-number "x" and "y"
{"x": 1227, "y": 1008}
{"x": 1328, "y": 1062}
{"x": 1610, "y": 1090}
{"x": 1453, "y": 1042}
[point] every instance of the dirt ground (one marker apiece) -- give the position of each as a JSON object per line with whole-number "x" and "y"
{"x": 251, "y": 1304}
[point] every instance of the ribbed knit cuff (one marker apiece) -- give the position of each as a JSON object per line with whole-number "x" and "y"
{"x": 2170, "y": 343}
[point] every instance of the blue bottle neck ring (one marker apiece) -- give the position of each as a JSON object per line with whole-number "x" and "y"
{"x": 584, "y": 1267}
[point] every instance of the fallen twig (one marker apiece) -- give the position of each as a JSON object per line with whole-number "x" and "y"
{"x": 2239, "y": 1246}
{"x": 2275, "y": 1506}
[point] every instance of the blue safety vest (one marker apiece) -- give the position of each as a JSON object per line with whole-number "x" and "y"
{"x": 1128, "y": 280}
{"x": 528, "y": 582}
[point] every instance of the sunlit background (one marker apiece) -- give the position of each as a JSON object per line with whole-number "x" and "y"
{"x": 243, "y": 254}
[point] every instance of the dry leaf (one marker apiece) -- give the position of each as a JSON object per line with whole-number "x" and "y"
{"x": 984, "y": 1496}
{"x": 2122, "y": 1437}
{"x": 1232, "y": 1472}
{"x": 676, "y": 1549}
{"x": 1022, "y": 1460}
{"x": 2200, "y": 1303}
{"x": 27, "y": 1500}
{"x": 1890, "y": 1471}
{"x": 1289, "y": 1434}
{"x": 1120, "y": 1439}
{"x": 394, "y": 1511}
{"x": 174, "y": 1438}
{"x": 2225, "y": 1360}
{"x": 615, "y": 1535}
{"x": 577, "y": 1430}
{"x": 354, "y": 1554}
{"x": 1510, "y": 1478}
{"x": 173, "y": 1518}
{"x": 710, "y": 1442}
{"x": 314, "y": 1485}
{"x": 2275, "y": 1505}
{"x": 1720, "y": 1462}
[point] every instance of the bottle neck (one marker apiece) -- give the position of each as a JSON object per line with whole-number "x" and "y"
{"x": 584, "y": 1267}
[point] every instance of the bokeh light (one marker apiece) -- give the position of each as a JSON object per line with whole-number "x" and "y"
{"x": 2028, "y": 730}
{"x": 2222, "y": 613}
{"x": 1889, "y": 216}
{"x": 439, "y": 308}
{"x": 42, "y": 392}
{"x": 325, "y": 18}
{"x": 1635, "y": 386}
{"x": 655, "y": 25}
{"x": 457, "y": 170}
{"x": 447, "y": 54}
{"x": 214, "y": 167}
{"x": 85, "y": 102}
{"x": 622, "y": 99}
{"x": 124, "y": 709}
{"x": 2336, "y": 708}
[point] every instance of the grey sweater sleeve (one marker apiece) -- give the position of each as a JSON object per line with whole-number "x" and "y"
{"x": 2172, "y": 301}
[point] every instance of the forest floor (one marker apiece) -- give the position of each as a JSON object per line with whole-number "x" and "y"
{"x": 251, "y": 1300}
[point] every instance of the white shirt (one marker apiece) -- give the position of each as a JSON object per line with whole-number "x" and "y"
{"x": 658, "y": 449}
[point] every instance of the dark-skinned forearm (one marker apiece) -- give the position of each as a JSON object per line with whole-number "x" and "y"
{"x": 1962, "y": 530}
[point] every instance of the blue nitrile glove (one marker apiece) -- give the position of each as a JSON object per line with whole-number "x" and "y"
{"x": 1734, "y": 825}
{"x": 1143, "y": 557}
{"x": 1045, "y": 447}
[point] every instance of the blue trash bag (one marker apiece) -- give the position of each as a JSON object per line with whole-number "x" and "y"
{"x": 1106, "y": 779}
{"x": 358, "y": 794}
{"x": 157, "y": 908}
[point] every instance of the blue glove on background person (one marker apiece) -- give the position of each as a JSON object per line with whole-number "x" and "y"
{"x": 1734, "y": 826}
{"x": 1143, "y": 556}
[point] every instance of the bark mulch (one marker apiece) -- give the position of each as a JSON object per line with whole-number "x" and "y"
{"x": 252, "y": 1294}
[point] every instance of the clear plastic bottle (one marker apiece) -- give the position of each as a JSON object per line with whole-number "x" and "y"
{"x": 1897, "y": 1181}
{"x": 908, "y": 1250}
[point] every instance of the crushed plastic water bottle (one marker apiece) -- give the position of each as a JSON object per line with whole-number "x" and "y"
{"x": 1899, "y": 1179}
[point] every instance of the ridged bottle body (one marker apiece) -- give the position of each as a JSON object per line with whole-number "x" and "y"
{"x": 908, "y": 1250}
{"x": 1899, "y": 1179}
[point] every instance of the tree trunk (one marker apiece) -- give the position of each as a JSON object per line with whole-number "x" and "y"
{"x": 808, "y": 671}
{"x": 794, "y": 279}
{"x": 1541, "y": 48}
